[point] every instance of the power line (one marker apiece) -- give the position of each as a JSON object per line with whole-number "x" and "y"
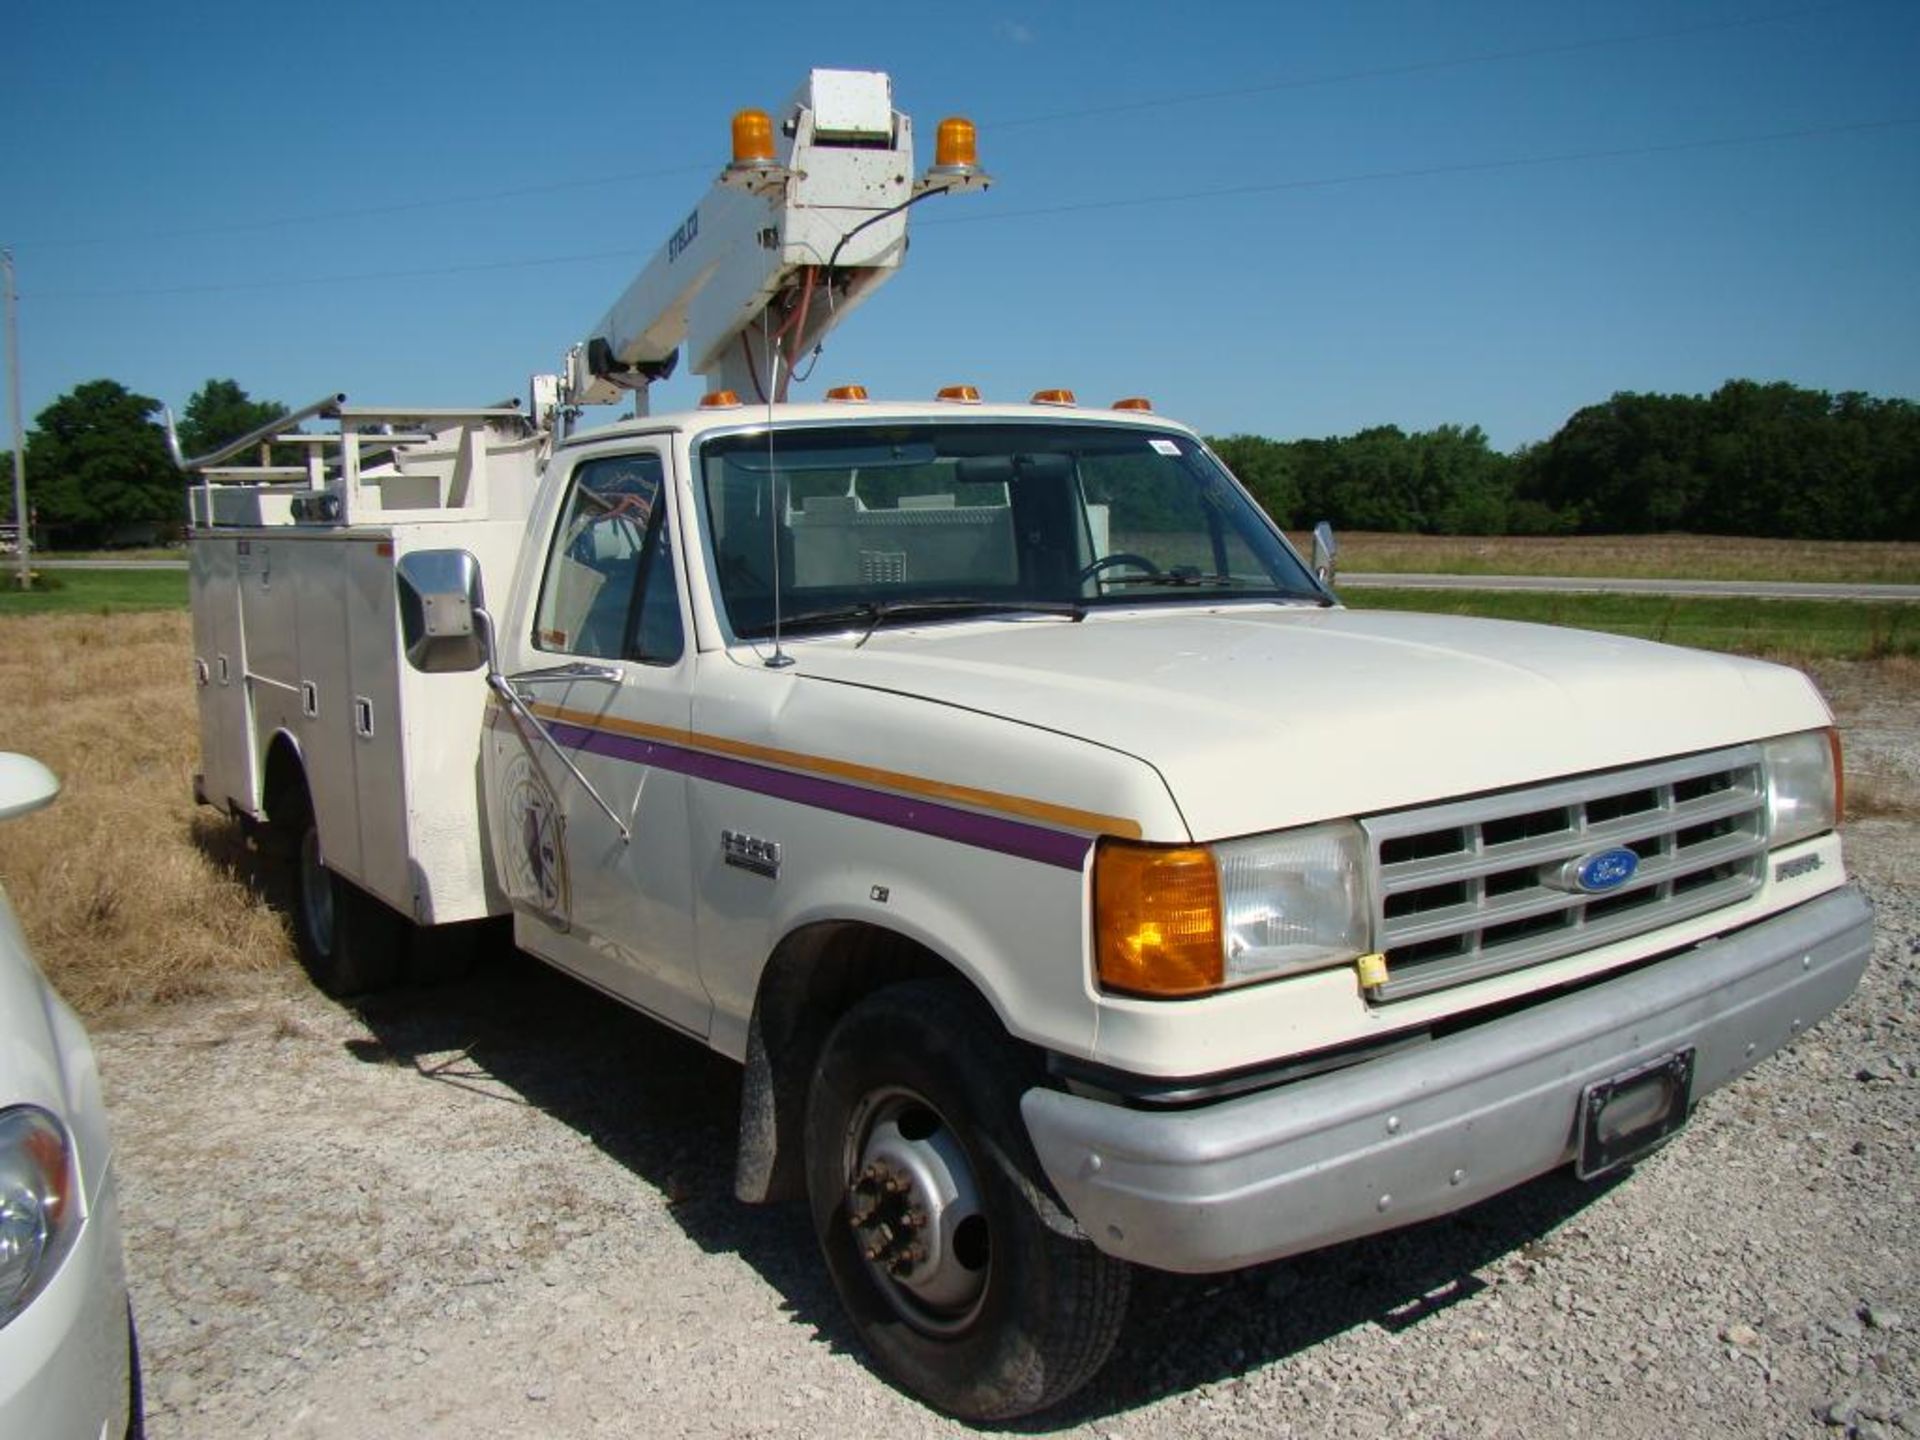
{"x": 366, "y": 212}
{"x": 424, "y": 273}
{"x": 1419, "y": 67}
{"x": 1155, "y": 102}
{"x": 1468, "y": 167}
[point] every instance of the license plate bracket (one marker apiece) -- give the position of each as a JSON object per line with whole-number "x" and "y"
{"x": 1624, "y": 1116}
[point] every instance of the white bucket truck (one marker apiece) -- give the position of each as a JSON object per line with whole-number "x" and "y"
{"x": 1080, "y": 885}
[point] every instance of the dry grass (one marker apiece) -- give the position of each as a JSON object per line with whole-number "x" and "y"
{"x": 1689, "y": 557}
{"x": 128, "y": 893}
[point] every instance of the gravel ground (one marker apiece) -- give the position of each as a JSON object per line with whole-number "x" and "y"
{"x": 503, "y": 1208}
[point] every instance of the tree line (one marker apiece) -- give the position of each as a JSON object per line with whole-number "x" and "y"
{"x": 1750, "y": 459}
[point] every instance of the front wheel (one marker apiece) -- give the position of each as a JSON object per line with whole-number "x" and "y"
{"x": 970, "y": 1284}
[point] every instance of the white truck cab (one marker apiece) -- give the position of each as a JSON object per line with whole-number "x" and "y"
{"x": 1078, "y": 882}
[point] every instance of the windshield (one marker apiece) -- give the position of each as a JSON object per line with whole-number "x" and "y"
{"x": 918, "y": 518}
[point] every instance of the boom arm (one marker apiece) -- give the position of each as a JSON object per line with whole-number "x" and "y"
{"x": 781, "y": 249}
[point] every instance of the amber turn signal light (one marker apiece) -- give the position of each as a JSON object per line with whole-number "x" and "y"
{"x": 1156, "y": 919}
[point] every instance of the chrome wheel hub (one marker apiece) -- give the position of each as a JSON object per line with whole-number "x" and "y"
{"x": 916, "y": 1214}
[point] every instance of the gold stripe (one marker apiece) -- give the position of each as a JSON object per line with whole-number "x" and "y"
{"x": 1026, "y": 809}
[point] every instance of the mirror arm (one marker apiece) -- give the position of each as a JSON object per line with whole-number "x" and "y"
{"x": 573, "y": 670}
{"x": 503, "y": 687}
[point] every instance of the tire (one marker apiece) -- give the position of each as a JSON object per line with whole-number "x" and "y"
{"x": 350, "y": 943}
{"x": 959, "y": 1268}
{"x": 136, "y": 1392}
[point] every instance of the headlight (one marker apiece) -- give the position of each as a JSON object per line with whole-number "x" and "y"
{"x": 1187, "y": 920}
{"x": 1293, "y": 900}
{"x": 39, "y": 1204}
{"x": 1803, "y": 785}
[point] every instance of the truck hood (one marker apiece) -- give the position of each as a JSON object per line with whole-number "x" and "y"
{"x": 1258, "y": 718}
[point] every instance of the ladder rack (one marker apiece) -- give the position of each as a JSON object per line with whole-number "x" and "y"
{"x": 376, "y": 465}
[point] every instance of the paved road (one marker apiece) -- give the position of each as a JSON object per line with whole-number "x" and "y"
{"x": 1357, "y": 580}
{"x": 1574, "y": 585}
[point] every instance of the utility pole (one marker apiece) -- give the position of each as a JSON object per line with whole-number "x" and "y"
{"x": 23, "y": 542}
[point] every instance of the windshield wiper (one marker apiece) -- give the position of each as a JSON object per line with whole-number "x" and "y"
{"x": 1187, "y": 578}
{"x": 876, "y": 611}
{"x": 873, "y": 612}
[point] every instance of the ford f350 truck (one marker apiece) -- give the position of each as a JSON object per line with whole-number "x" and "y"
{"x": 1079, "y": 884}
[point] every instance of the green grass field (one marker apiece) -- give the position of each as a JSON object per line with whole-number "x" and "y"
{"x": 1782, "y": 629}
{"x": 95, "y": 592}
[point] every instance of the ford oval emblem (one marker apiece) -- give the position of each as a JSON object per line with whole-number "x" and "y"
{"x": 1605, "y": 870}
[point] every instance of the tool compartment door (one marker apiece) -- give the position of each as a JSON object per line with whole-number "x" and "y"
{"x": 325, "y": 722}
{"x": 370, "y": 631}
{"x": 227, "y": 755}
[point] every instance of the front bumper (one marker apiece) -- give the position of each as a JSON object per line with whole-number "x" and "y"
{"x": 1435, "y": 1128}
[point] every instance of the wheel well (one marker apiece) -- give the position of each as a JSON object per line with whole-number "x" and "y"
{"x": 815, "y": 976}
{"x": 284, "y": 784}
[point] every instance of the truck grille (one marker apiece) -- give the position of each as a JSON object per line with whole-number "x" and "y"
{"x": 1479, "y": 887}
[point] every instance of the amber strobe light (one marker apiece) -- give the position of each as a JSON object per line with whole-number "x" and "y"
{"x": 752, "y": 138}
{"x": 1156, "y": 919}
{"x": 956, "y": 146}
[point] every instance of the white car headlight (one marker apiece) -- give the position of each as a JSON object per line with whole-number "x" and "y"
{"x": 1803, "y": 785}
{"x": 1293, "y": 900}
{"x": 39, "y": 1204}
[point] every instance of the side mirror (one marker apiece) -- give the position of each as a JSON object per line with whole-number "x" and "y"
{"x": 1326, "y": 550}
{"x": 440, "y": 599}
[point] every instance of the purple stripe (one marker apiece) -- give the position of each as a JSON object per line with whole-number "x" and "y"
{"x": 1061, "y": 848}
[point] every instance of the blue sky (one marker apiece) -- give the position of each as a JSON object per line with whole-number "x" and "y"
{"x": 1488, "y": 211}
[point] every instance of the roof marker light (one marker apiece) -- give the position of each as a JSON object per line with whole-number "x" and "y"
{"x": 958, "y": 395}
{"x": 1054, "y": 397}
{"x": 752, "y": 139}
{"x": 848, "y": 394}
{"x": 719, "y": 400}
{"x": 1133, "y": 402}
